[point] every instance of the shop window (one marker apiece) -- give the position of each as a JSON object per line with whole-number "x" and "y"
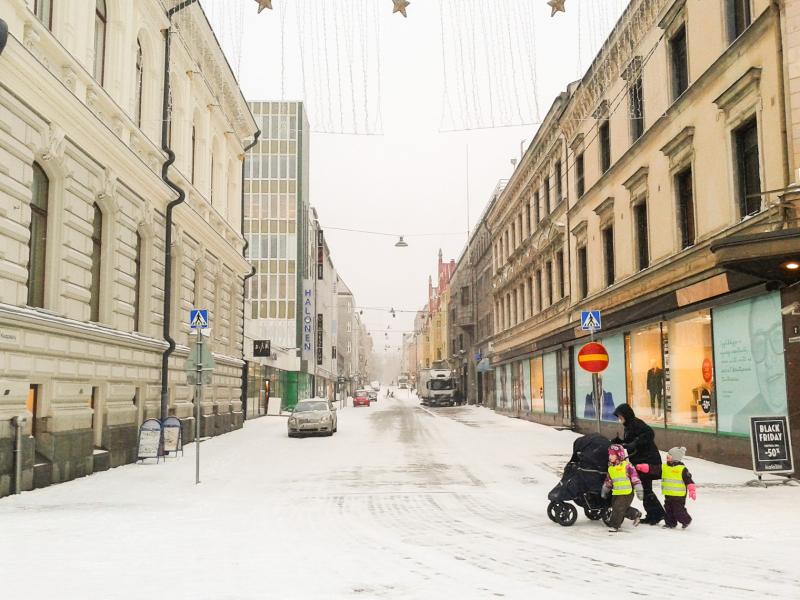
{"x": 679, "y": 61}
{"x": 580, "y": 183}
{"x": 536, "y": 366}
{"x": 748, "y": 169}
{"x": 642, "y": 236}
{"x": 689, "y": 376}
{"x": 636, "y": 102}
{"x": 612, "y": 382}
{"x": 645, "y": 373}
{"x": 750, "y": 364}
{"x": 738, "y": 16}
{"x": 604, "y": 135}
{"x": 685, "y": 193}
{"x": 550, "y": 380}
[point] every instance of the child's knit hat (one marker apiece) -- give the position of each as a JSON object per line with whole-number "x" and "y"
{"x": 677, "y": 454}
{"x": 617, "y": 450}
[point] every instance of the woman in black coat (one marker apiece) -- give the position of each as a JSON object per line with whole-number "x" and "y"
{"x": 639, "y": 440}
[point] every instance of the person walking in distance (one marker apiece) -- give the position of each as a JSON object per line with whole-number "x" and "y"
{"x": 622, "y": 480}
{"x": 676, "y": 483}
{"x": 638, "y": 439}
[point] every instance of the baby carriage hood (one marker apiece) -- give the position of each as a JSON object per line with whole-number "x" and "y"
{"x": 591, "y": 452}
{"x": 586, "y": 470}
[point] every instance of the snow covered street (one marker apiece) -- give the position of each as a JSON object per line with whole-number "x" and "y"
{"x": 402, "y": 502}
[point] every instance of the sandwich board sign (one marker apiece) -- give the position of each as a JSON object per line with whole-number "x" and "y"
{"x": 150, "y": 439}
{"x": 173, "y": 440}
{"x": 770, "y": 445}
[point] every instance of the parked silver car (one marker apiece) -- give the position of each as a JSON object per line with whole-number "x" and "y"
{"x": 313, "y": 416}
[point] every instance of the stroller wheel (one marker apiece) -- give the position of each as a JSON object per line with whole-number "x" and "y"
{"x": 607, "y": 516}
{"x": 568, "y": 515}
{"x": 553, "y": 510}
{"x": 593, "y": 514}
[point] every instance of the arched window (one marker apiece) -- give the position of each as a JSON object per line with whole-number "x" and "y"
{"x": 138, "y": 83}
{"x": 100, "y": 19}
{"x": 97, "y": 250}
{"x": 43, "y": 9}
{"x": 40, "y": 194}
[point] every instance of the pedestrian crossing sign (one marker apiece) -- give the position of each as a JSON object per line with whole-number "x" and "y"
{"x": 590, "y": 320}
{"x": 198, "y": 318}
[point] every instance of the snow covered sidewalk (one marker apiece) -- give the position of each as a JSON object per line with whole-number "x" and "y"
{"x": 401, "y": 503}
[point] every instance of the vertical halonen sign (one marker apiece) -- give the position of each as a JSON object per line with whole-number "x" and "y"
{"x": 309, "y": 312}
{"x": 770, "y": 445}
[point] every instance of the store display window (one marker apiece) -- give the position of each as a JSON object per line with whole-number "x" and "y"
{"x": 750, "y": 365}
{"x": 689, "y": 377}
{"x": 612, "y": 381}
{"x": 645, "y": 373}
{"x": 537, "y": 384}
{"x": 550, "y": 383}
{"x": 520, "y": 400}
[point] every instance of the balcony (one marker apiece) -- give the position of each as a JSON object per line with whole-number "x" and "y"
{"x": 464, "y": 316}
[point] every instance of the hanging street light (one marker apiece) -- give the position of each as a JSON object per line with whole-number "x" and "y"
{"x": 401, "y": 243}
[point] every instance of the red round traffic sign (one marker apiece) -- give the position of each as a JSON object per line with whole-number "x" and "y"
{"x": 593, "y": 357}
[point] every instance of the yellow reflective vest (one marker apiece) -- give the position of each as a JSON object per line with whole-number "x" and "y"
{"x": 672, "y": 480}
{"x": 619, "y": 479}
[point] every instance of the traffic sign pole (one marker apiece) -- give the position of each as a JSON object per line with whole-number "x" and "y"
{"x": 198, "y": 402}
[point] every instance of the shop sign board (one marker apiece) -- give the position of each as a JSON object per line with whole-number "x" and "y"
{"x": 593, "y": 357}
{"x": 590, "y": 320}
{"x": 262, "y": 348}
{"x": 150, "y": 438}
{"x": 308, "y": 314}
{"x": 173, "y": 440}
{"x": 770, "y": 445}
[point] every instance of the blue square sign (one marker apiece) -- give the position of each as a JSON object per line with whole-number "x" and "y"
{"x": 590, "y": 320}
{"x": 198, "y": 318}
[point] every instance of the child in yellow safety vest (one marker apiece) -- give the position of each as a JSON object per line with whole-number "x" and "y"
{"x": 622, "y": 480}
{"x": 676, "y": 483}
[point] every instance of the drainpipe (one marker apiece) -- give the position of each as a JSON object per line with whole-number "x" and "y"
{"x": 166, "y": 119}
{"x": 246, "y": 278}
{"x": 18, "y": 423}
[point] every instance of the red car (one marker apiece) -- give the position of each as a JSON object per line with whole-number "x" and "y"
{"x": 361, "y": 398}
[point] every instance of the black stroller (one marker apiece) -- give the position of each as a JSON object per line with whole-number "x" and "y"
{"x": 582, "y": 482}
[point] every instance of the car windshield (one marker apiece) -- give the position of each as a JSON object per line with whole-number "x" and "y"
{"x": 361, "y": 394}
{"x": 441, "y": 384}
{"x": 309, "y": 406}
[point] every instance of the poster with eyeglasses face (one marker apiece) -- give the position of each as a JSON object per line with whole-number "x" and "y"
{"x": 750, "y": 367}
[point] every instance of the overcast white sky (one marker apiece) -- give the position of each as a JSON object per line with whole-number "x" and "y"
{"x": 413, "y": 178}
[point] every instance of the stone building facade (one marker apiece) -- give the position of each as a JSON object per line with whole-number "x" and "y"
{"x": 662, "y": 190}
{"x": 82, "y": 229}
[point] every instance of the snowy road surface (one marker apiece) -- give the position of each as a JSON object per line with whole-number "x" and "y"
{"x": 401, "y": 503}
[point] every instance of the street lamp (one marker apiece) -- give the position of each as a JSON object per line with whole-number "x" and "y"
{"x": 401, "y": 243}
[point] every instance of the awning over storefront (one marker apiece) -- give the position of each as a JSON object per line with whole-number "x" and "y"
{"x": 769, "y": 255}
{"x": 484, "y": 365}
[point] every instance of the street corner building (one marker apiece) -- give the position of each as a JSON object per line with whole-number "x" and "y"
{"x": 105, "y": 242}
{"x": 662, "y": 190}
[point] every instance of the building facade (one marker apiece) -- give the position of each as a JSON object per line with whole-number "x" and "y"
{"x": 89, "y": 347}
{"x": 672, "y": 209}
{"x": 277, "y": 227}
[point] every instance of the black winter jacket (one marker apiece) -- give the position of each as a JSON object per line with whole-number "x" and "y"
{"x": 638, "y": 438}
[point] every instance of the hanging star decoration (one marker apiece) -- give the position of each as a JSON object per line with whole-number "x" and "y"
{"x": 262, "y": 4}
{"x": 400, "y": 6}
{"x": 556, "y": 6}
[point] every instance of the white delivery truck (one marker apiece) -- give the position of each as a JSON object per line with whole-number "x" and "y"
{"x": 403, "y": 381}
{"x": 436, "y": 386}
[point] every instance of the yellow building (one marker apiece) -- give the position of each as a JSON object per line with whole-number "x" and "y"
{"x": 661, "y": 190}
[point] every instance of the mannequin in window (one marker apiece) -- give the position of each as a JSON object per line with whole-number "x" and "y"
{"x": 607, "y": 405}
{"x": 655, "y": 387}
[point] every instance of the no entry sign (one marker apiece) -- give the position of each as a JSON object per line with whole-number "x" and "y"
{"x": 593, "y": 357}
